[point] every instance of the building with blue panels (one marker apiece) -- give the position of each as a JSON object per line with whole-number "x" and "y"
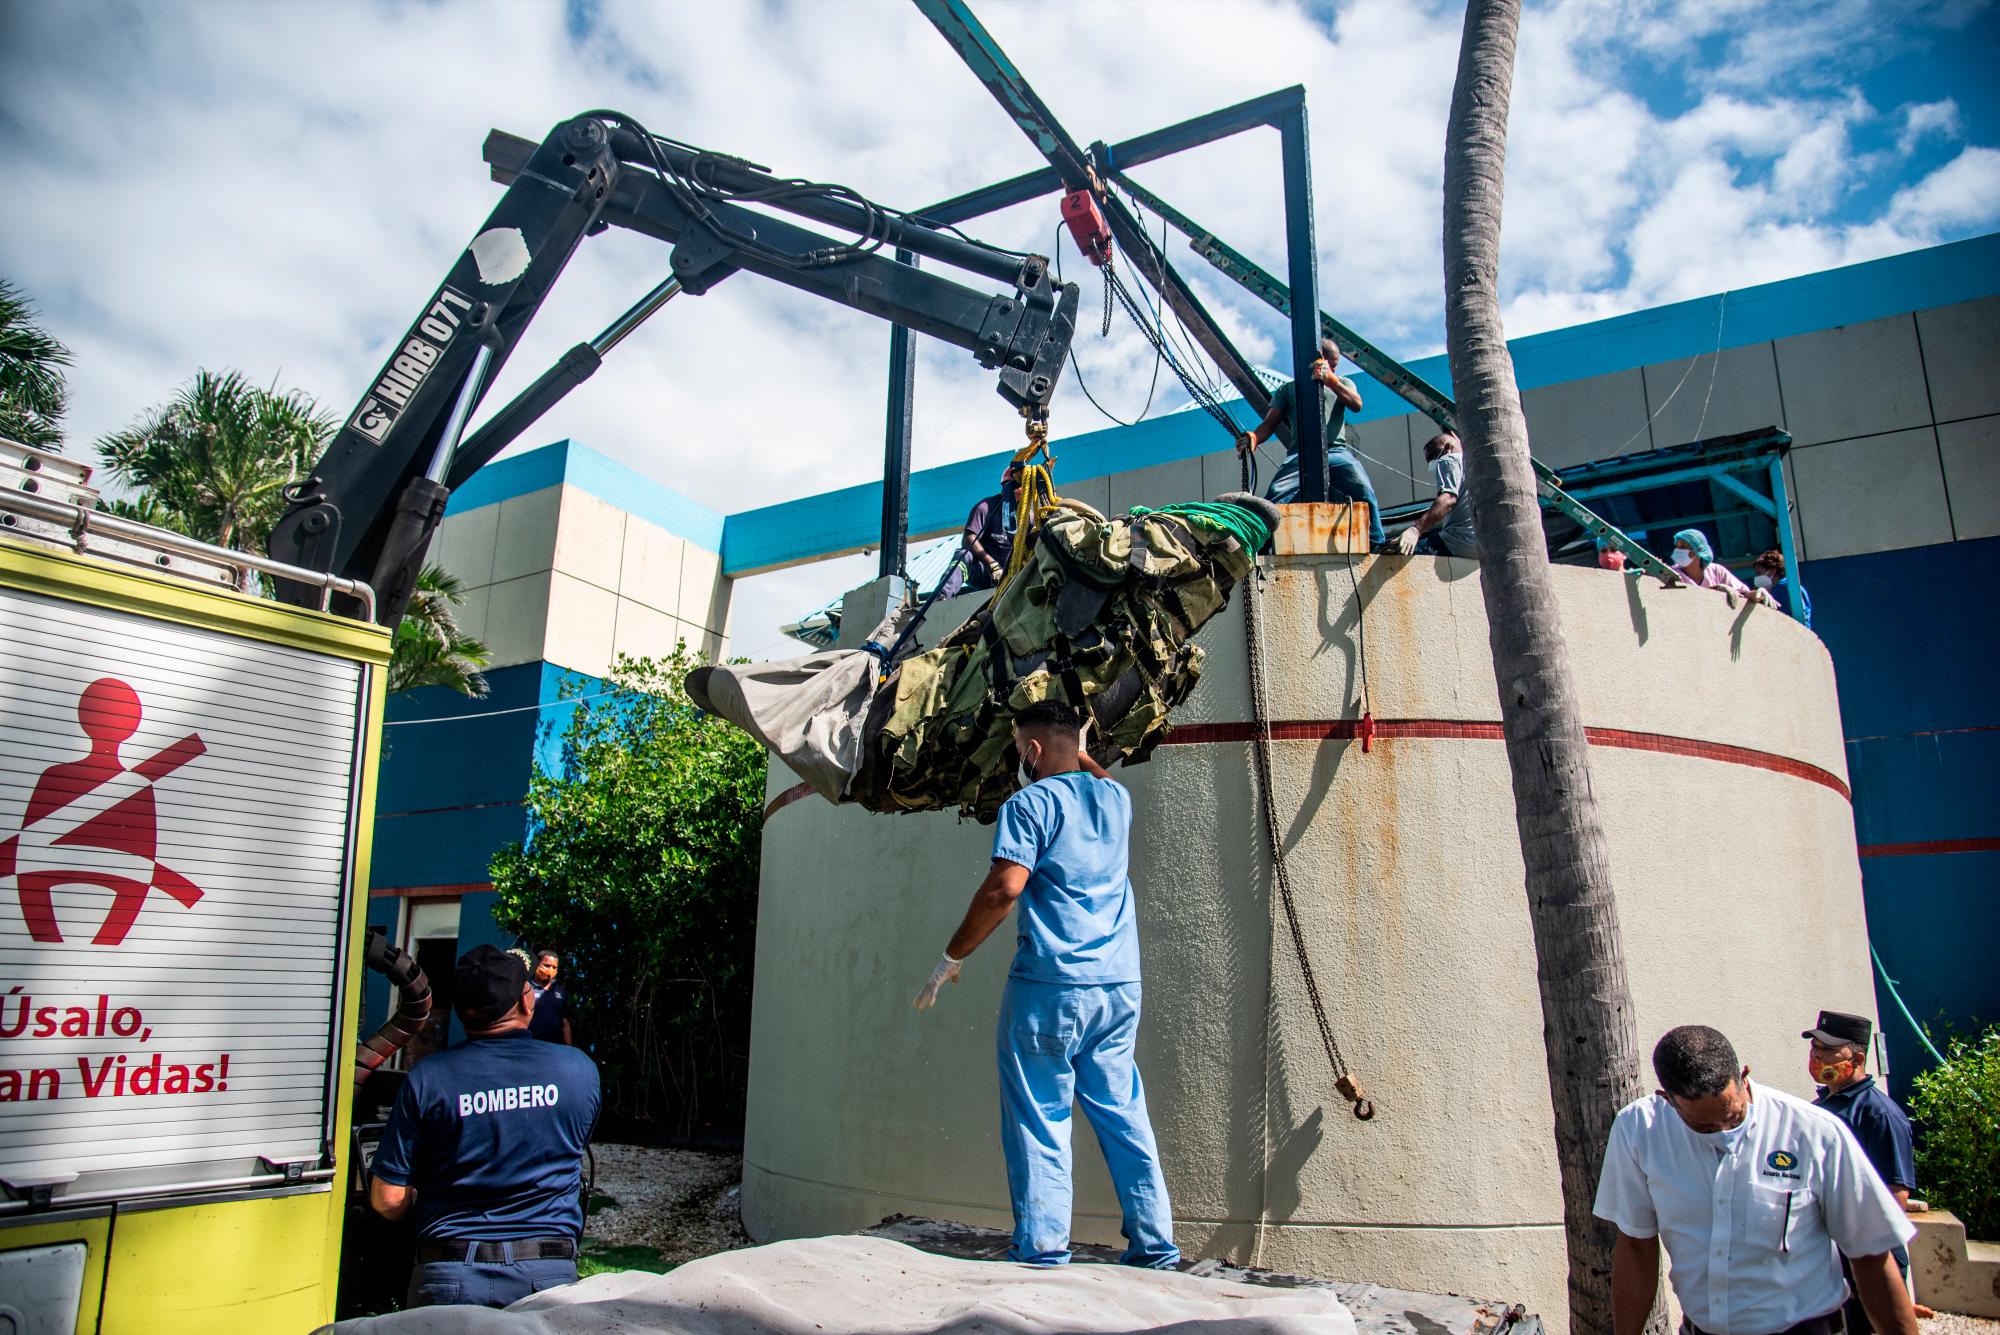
{"x": 1885, "y": 374}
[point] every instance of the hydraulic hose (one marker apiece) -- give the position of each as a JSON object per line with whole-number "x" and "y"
{"x": 413, "y": 1007}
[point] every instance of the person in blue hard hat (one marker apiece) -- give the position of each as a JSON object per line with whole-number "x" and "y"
{"x": 987, "y": 543}
{"x": 1345, "y": 477}
{"x": 485, "y": 1146}
{"x": 1069, "y": 1019}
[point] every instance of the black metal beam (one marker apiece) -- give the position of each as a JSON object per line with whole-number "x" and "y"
{"x": 896, "y": 446}
{"x": 1010, "y": 88}
{"x": 1129, "y": 153}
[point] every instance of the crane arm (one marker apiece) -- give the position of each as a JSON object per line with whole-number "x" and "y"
{"x": 371, "y": 503}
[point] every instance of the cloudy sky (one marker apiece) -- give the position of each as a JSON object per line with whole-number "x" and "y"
{"x": 276, "y": 187}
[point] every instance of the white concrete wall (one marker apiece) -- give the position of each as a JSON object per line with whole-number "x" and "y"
{"x": 1739, "y": 891}
{"x": 564, "y": 576}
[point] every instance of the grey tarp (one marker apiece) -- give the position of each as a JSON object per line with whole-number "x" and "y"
{"x": 872, "y": 1286}
{"x": 809, "y": 710}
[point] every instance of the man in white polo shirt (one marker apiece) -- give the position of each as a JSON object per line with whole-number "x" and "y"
{"x": 1757, "y": 1196}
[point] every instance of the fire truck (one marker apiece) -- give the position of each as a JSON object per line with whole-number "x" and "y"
{"x": 188, "y": 772}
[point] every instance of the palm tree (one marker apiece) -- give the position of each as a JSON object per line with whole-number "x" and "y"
{"x": 1588, "y": 1031}
{"x": 32, "y": 393}
{"x": 430, "y": 649}
{"x": 220, "y": 454}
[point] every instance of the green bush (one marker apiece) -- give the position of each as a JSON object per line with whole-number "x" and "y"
{"x": 1958, "y": 1105}
{"x": 640, "y": 868}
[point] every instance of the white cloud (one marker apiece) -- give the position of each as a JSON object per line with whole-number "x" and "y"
{"x": 276, "y": 189}
{"x": 1921, "y": 120}
{"x": 1964, "y": 192}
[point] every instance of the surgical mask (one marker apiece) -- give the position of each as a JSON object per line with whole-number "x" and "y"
{"x": 1437, "y": 471}
{"x": 1726, "y": 1140}
{"x": 1763, "y": 581}
{"x": 1683, "y": 558}
{"x": 1022, "y": 773}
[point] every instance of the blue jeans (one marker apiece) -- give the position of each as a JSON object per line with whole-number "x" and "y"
{"x": 1430, "y": 544}
{"x": 463, "y": 1284}
{"x": 1345, "y": 477}
{"x": 1060, "y": 1044}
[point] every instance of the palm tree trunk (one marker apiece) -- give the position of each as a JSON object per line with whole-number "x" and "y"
{"x": 1587, "y": 1026}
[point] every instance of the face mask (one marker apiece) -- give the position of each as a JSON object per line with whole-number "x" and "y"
{"x": 1025, "y": 775}
{"x": 1763, "y": 581}
{"x": 1683, "y": 558}
{"x": 1437, "y": 472}
{"x": 1832, "y": 1073}
{"x": 1726, "y": 1140}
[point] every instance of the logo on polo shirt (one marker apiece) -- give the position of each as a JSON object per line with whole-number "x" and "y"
{"x": 1781, "y": 1163}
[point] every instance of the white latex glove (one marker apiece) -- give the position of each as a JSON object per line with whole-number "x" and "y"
{"x": 1406, "y": 541}
{"x": 946, "y": 972}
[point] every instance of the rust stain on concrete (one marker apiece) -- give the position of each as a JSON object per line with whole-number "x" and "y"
{"x": 1322, "y": 528}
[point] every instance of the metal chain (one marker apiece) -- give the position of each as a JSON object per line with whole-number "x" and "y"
{"x": 1203, "y": 398}
{"x": 1110, "y": 259}
{"x": 1260, "y": 751}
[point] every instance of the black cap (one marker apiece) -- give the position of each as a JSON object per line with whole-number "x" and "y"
{"x": 1838, "y": 1028}
{"x": 486, "y": 985}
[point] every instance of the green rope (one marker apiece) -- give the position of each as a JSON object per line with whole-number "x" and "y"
{"x": 1897, "y": 997}
{"x": 1218, "y": 517}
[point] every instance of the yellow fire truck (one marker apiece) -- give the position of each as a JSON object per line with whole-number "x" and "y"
{"x": 186, "y": 786}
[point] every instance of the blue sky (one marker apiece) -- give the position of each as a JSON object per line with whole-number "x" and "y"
{"x": 276, "y": 188}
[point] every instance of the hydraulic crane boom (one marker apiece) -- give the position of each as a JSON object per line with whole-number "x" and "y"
{"x": 371, "y": 503}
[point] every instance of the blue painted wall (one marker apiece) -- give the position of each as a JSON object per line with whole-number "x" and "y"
{"x": 1914, "y": 642}
{"x": 453, "y": 779}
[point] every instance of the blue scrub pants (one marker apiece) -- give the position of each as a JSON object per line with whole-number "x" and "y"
{"x": 1345, "y": 477}
{"x": 1058, "y": 1044}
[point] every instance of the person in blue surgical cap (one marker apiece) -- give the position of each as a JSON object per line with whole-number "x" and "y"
{"x": 1069, "y": 1019}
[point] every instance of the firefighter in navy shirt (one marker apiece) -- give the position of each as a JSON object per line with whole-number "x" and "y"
{"x": 485, "y": 1145}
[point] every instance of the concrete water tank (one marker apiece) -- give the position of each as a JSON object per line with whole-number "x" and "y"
{"x": 1718, "y": 767}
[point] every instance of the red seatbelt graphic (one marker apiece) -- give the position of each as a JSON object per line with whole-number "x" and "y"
{"x": 99, "y": 803}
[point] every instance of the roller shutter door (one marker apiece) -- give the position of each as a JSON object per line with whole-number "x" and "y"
{"x": 177, "y": 812}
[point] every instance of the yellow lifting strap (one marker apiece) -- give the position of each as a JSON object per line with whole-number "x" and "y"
{"x": 1036, "y": 493}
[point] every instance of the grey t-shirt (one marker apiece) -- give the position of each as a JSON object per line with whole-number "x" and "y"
{"x": 1448, "y": 472}
{"x": 1332, "y": 413}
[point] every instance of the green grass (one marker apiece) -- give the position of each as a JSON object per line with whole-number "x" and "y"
{"x": 601, "y": 1260}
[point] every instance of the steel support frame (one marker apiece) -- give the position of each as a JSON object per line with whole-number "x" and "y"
{"x": 1071, "y": 168}
{"x": 1787, "y": 542}
{"x": 896, "y": 446}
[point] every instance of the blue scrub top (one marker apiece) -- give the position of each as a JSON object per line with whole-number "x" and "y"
{"x": 1076, "y": 922}
{"x": 491, "y": 1133}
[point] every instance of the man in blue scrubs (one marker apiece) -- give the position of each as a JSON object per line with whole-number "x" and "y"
{"x": 1069, "y": 1020}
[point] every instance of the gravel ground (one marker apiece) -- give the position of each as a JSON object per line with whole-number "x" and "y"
{"x": 681, "y": 1203}
{"x": 1950, "y": 1323}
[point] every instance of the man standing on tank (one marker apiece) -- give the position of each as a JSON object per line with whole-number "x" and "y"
{"x": 1069, "y": 1019}
{"x": 1345, "y": 477}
